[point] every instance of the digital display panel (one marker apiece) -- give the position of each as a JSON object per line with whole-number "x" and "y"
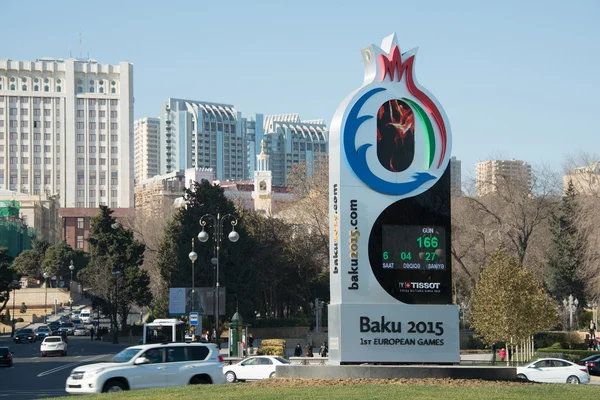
{"x": 413, "y": 247}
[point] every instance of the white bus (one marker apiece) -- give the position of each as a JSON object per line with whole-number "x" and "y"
{"x": 163, "y": 331}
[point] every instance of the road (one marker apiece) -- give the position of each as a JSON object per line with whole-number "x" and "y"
{"x": 33, "y": 377}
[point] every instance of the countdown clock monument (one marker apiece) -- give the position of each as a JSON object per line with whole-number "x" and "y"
{"x": 390, "y": 272}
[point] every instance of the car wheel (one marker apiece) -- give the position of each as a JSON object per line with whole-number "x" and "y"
{"x": 42, "y": 354}
{"x": 230, "y": 376}
{"x": 200, "y": 380}
{"x": 273, "y": 375}
{"x": 521, "y": 377}
{"x": 64, "y": 353}
{"x": 573, "y": 380}
{"x": 113, "y": 386}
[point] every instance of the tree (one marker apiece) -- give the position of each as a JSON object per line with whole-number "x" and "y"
{"x": 7, "y": 275}
{"x": 57, "y": 259}
{"x": 509, "y": 303}
{"x": 23, "y": 308}
{"x": 28, "y": 263}
{"x": 565, "y": 256}
{"x": 113, "y": 274}
{"x": 174, "y": 267}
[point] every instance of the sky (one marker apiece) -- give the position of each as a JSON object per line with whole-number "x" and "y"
{"x": 517, "y": 79}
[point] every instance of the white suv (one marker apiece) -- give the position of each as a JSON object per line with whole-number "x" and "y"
{"x": 53, "y": 344}
{"x": 150, "y": 366}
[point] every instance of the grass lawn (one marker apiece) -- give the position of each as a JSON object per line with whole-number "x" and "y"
{"x": 361, "y": 392}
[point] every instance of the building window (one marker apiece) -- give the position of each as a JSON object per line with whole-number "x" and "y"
{"x": 103, "y": 161}
{"x": 114, "y": 161}
{"x": 46, "y": 88}
{"x": 91, "y": 90}
{"x": 113, "y": 193}
{"x": 93, "y": 182}
{"x": 24, "y": 160}
{"x": 114, "y": 178}
{"x": 79, "y": 223}
{"x": 113, "y": 204}
{"x": 92, "y": 125}
{"x": 81, "y": 161}
{"x": 80, "y": 137}
{"x": 80, "y": 178}
{"x": 80, "y": 149}
{"x": 92, "y": 113}
{"x": 112, "y": 90}
{"x": 24, "y": 180}
{"x": 24, "y": 87}
{"x": 92, "y": 204}
{"x": 113, "y": 114}
{"x": 92, "y": 193}
{"x": 114, "y": 102}
{"x": 80, "y": 102}
{"x": 80, "y": 193}
{"x": 12, "y": 87}
{"x": 101, "y": 90}
{"x": 58, "y": 89}
{"x": 80, "y": 125}
{"x": 92, "y": 161}
{"x": 113, "y": 138}
{"x": 113, "y": 126}
{"x": 80, "y": 242}
{"x": 102, "y": 193}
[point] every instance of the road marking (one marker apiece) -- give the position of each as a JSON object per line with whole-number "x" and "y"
{"x": 53, "y": 370}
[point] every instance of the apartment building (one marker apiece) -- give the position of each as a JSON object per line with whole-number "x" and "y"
{"x": 492, "y": 174}
{"x": 66, "y": 128}
{"x": 147, "y": 154}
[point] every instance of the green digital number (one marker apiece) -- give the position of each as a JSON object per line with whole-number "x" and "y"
{"x": 405, "y": 255}
{"x": 385, "y": 255}
{"x": 427, "y": 242}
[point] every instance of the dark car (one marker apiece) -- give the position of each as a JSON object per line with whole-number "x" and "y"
{"x": 6, "y": 357}
{"x": 592, "y": 363}
{"x": 43, "y": 331}
{"x": 54, "y": 325}
{"x": 25, "y": 335}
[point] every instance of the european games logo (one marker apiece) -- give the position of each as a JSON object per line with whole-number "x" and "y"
{"x": 409, "y": 162}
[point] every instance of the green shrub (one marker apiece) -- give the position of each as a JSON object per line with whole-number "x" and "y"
{"x": 271, "y": 351}
{"x": 547, "y": 339}
{"x": 273, "y": 342}
{"x": 568, "y": 354}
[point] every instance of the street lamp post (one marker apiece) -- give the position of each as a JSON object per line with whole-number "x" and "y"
{"x": 217, "y": 224}
{"x": 46, "y": 275}
{"x": 71, "y": 268}
{"x": 15, "y": 283}
{"x": 193, "y": 257}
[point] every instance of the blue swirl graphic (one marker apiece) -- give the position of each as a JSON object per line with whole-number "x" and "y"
{"x": 357, "y": 158}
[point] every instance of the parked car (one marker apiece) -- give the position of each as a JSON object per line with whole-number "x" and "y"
{"x": 552, "y": 370}
{"x": 68, "y": 327}
{"x": 592, "y": 363}
{"x": 81, "y": 331}
{"x": 25, "y": 335}
{"x": 53, "y": 344}
{"x": 6, "y": 357}
{"x": 74, "y": 315}
{"x": 253, "y": 368}
{"x": 43, "y": 331}
{"x": 76, "y": 322}
{"x": 150, "y": 366}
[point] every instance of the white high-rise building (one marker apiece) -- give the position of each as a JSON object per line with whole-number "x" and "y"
{"x": 66, "y": 127}
{"x": 147, "y": 139}
{"x": 290, "y": 140}
{"x": 586, "y": 180}
{"x": 494, "y": 173}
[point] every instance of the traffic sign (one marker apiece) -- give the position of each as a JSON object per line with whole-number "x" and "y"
{"x": 193, "y": 318}
{"x": 95, "y": 323}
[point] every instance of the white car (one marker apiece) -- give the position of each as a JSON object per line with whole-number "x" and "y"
{"x": 85, "y": 316}
{"x": 553, "y": 370}
{"x": 253, "y": 368}
{"x": 150, "y": 366}
{"x": 53, "y": 344}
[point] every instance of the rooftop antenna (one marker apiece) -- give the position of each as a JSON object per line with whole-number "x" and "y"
{"x": 80, "y": 45}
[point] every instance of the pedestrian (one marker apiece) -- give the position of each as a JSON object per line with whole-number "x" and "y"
{"x": 323, "y": 351}
{"x": 298, "y": 351}
{"x": 592, "y": 329}
{"x": 493, "y": 353}
{"x": 92, "y": 334}
{"x": 502, "y": 354}
{"x": 308, "y": 350}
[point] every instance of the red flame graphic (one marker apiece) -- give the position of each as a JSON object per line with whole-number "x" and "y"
{"x": 394, "y": 67}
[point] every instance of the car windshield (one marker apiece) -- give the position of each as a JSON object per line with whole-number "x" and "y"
{"x": 26, "y": 331}
{"x": 67, "y": 325}
{"x": 282, "y": 360}
{"x": 3, "y": 351}
{"x": 126, "y": 355}
{"x": 52, "y": 339}
{"x": 43, "y": 328}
